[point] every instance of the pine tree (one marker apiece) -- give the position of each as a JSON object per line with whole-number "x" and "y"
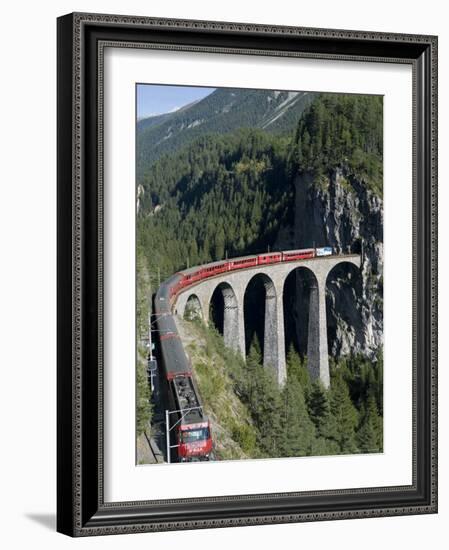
{"x": 193, "y": 252}
{"x": 205, "y": 252}
{"x": 323, "y": 447}
{"x": 219, "y": 248}
{"x": 369, "y": 435}
{"x": 298, "y": 429}
{"x": 296, "y": 369}
{"x": 293, "y": 362}
{"x": 253, "y": 365}
{"x": 269, "y": 413}
{"x": 265, "y": 402}
{"x": 345, "y": 416}
{"x": 380, "y": 381}
{"x": 320, "y": 411}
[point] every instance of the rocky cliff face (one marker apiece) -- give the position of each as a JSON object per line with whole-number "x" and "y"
{"x": 342, "y": 212}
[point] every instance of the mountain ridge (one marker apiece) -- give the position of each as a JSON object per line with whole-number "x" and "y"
{"x": 223, "y": 111}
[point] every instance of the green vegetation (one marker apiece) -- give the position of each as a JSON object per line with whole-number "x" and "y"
{"x": 143, "y": 405}
{"x": 221, "y": 195}
{"x": 143, "y": 392}
{"x": 343, "y": 131}
{"x": 257, "y": 419}
{"x": 345, "y": 415}
{"x": 216, "y": 371}
{"x": 227, "y": 194}
{"x": 369, "y": 436}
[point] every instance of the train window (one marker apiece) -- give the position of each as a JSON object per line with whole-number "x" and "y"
{"x": 190, "y": 436}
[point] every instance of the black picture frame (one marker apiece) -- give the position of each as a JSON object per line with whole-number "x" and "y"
{"x": 81, "y": 510}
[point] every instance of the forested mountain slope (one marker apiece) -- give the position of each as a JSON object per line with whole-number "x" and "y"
{"x": 223, "y": 111}
{"x": 242, "y": 192}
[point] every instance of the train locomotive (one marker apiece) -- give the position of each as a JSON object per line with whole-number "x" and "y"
{"x": 190, "y": 426}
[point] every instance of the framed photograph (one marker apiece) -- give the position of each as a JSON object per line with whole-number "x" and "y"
{"x": 247, "y": 275}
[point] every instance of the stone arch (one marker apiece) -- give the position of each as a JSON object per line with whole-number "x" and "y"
{"x": 344, "y": 291}
{"x": 273, "y": 330}
{"x": 224, "y": 313}
{"x": 314, "y": 295}
{"x": 345, "y": 267}
{"x": 255, "y": 293}
{"x": 193, "y": 309}
{"x": 297, "y": 288}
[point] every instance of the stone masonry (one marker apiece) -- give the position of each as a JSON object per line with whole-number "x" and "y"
{"x": 233, "y": 286}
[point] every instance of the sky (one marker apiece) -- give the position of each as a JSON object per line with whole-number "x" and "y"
{"x": 154, "y": 99}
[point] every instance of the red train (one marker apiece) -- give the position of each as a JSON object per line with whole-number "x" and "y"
{"x": 194, "y": 275}
{"x": 191, "y": 435}
{"x": 190, "y": 426}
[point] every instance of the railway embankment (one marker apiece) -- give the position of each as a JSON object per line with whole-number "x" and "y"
{"x": 233, "y": 432}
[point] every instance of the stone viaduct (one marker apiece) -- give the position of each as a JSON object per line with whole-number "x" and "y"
{"x": 233, "y": 285}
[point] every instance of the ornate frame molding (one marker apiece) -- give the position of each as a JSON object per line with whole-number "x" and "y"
{"x": 81, "y": 42}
